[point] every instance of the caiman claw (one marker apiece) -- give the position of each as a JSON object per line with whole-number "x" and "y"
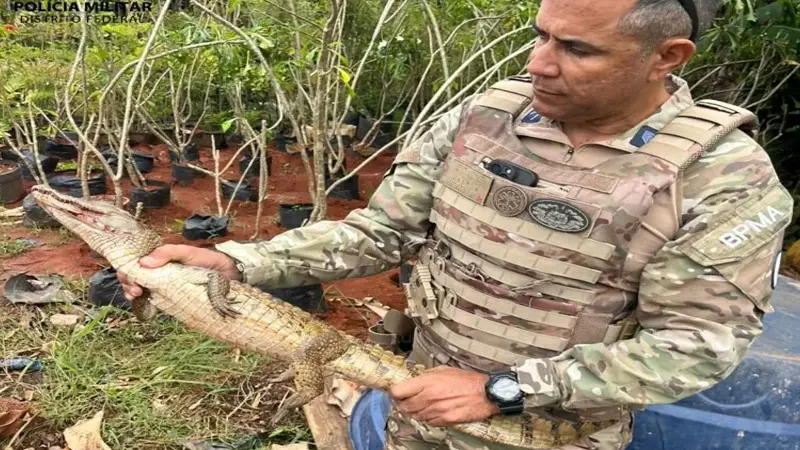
{"x": 218, "y": 289}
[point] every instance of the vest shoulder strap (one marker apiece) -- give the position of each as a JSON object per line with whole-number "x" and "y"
{"x": 511, "y": 95}
{"x": 682, "y": 142}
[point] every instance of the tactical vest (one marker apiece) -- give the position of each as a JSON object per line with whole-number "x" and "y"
{"x": 513, "y": 272}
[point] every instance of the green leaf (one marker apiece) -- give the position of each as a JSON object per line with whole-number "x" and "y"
{"x": 232, "y": 4}
{"x": 227, "y": 124}
{"x": 345, "y": 76}
{"x": 265, "y": 43}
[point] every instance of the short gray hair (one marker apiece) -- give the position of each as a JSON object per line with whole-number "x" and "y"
{"x": 654, "y": 21}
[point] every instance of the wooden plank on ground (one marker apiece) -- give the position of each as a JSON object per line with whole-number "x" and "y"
{"x": 327, "y": 425}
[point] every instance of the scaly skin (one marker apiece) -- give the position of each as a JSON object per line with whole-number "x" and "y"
{"x": 246, "y": 318}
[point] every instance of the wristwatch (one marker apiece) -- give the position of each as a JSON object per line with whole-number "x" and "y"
{"x": 503, "y": 389}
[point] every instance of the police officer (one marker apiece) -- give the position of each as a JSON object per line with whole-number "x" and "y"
{"x": 589, "y": 240}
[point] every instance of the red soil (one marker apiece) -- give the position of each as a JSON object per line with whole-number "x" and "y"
{"x": 68, "y": 256}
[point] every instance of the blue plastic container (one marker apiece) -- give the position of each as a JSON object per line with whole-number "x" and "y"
{"x": 368, "y": 420}
{"x": 757, "y": 407}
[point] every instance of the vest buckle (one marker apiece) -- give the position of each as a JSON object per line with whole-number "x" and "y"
{"x": 475, "y": 272}
{"x": 441, "y": 249}
{"x": 420, "y": 294}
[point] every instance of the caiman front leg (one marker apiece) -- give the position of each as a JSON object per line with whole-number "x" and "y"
{"x": 307, "y": 368}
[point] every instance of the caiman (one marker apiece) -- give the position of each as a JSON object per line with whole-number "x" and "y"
{"x": 247, "y": 318}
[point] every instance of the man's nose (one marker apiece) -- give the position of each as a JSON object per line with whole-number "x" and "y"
{"x": 542, "y": 60}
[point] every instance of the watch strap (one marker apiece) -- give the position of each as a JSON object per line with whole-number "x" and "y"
{"x": 512, "y": 408}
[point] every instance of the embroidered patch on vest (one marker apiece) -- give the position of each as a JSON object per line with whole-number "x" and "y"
{"x": 510, "y": 201}
{"x": 532, "y": 117}
{"x": 643, "y": 136}
{"x": 466, "y": 180}
{"x": 559, "y": 216}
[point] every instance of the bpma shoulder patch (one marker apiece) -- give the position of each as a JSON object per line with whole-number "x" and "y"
{"x": 750, "y": 226}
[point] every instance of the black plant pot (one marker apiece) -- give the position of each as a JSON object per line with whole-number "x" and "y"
{"x": 183, "y": 175}
{"x": 255, "y": 169}
{"x": 352, "y": 118}
{"x": 68, "y": 182}
{"x": 105, "y": 289}
{"x": 245, "y": 193}
{"x": 405, "y": 273}
{"x": 308, "y": 298}
{"x": 282, "y": 141}
{"x": 35, "y": 216}
{"x": 199, "y": 226}
{"x": 11, "y": 188}
{"x": 141, "y": 138}
{"x": 190, "y": 153}
{"x": 49, "y": 164}
{"x": 234, "y": 140}
{"x": 347, "y": 190}
{"x": 155, "y": 194}
{"x": 292, "y": 215}
{"x": 382, "y": 139}
{"x": 62, "y": 146}
{"x": 362, "y": 127}
{"x": 203, "y": 139}
{"x": 143, "y": 162}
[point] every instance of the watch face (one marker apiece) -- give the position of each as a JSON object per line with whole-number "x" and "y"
{"x": 505, "y": 389}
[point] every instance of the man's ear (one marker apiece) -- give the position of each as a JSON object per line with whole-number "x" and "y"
{"x": 669, "y": 55}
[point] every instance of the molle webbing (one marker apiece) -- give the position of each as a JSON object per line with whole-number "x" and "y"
{"x": 508, "y": 95}
{"x": 476, "y": 347}
{"x": 517, "y": 280}
{"x": 512, "y": 255}
{"x": 584, "y": 328}
{"x": 503, "y": 306}
{"x": 449, "y": 311}
{"x": 612, "y": 334}
{"x": 700, "y": 127}
{"x": 530, "y": 230}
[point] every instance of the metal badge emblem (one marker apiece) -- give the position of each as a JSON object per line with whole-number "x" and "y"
{"x": 510, "y": 201}
{"x": 559, "y": 216}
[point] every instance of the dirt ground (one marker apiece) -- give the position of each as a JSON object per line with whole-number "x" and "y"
{"x": 70, "y": 257}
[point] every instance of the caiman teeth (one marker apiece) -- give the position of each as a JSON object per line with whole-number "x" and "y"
{"x": 60, "y": 198}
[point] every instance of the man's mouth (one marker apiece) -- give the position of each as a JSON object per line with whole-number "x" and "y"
{"x": 541, "y": 91}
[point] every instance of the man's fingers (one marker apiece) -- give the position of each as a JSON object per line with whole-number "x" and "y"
{"x": 132, "y": 292}
{"x": 407, "y": 388}
{"x": 165, "y": 254}
{"x": 445, "y": 413}
{"x": 414, "y": 404}
{"x": 130, "y": 289}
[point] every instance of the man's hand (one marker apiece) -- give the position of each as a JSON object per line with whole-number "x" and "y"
{"x": 184, "y": 254}
{"x": 445, "y": 396}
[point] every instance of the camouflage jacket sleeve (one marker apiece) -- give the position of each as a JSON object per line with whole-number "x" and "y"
{"x": 701, "y": 300}
{"x": 389, "y": 231}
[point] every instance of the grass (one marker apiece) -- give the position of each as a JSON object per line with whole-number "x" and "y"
{"x": 158, "y": 383}
{"x": 10, "y": 247}
{"x": 67, "y": 165}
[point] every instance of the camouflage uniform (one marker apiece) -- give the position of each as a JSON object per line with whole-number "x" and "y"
{"x": 701, "y": 239}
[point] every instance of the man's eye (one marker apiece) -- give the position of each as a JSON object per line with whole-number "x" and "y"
{"x": 577, "y": 51}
